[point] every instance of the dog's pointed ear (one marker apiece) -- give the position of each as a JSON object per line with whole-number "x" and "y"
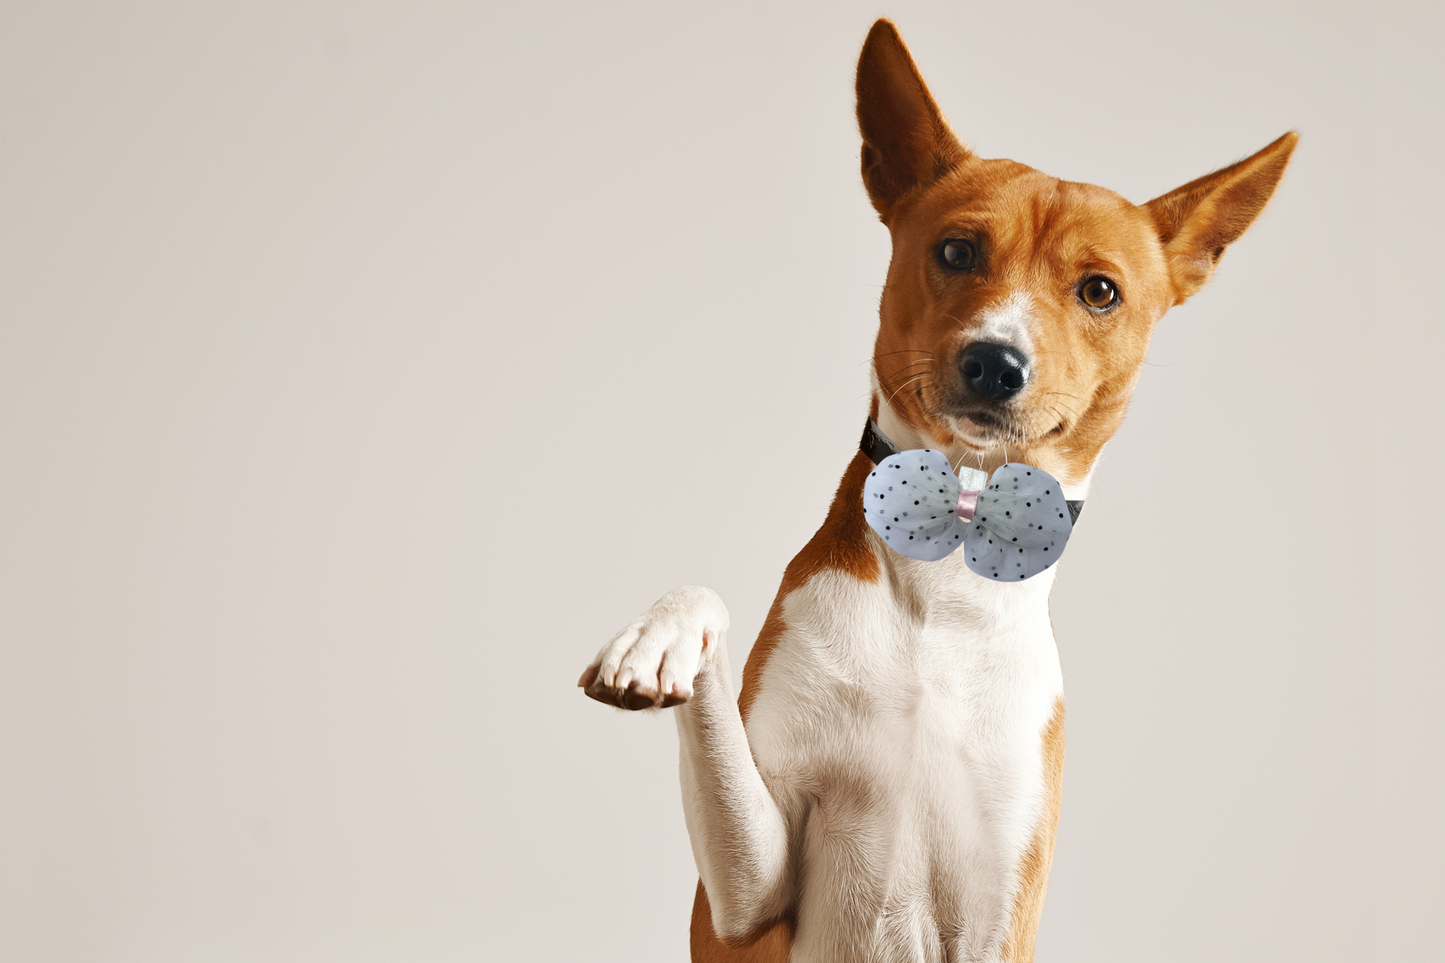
{"x": 1198, "y": 221}
{"x": 906, "y": 141}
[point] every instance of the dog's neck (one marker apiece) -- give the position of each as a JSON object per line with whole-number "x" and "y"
{"x": 946, "y": 590}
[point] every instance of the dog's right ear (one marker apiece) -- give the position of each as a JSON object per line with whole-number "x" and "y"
{"x": 906, "y": 142}
{"x": 1198, "y": 221}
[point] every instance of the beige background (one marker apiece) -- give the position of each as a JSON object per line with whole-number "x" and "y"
{"x": 364, "y": 366}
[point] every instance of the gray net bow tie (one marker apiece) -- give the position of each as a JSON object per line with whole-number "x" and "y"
{"x": 1011, "y": 526}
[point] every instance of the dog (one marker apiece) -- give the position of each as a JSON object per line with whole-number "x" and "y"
{"x": 887, "y": 784}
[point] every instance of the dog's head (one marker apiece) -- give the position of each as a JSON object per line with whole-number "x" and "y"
{"x": 1018, "y": 307}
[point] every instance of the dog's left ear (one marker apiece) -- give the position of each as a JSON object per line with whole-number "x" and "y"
{"x": 906, "y": 142}
{"x": 1198, "y": 221}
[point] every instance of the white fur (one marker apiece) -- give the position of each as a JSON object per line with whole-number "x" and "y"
{"x": 890, "y": 778}
{"x": 1009, "y": 322}
{"x": 898, "y": 725}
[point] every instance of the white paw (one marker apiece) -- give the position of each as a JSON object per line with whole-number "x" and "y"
{"x": 654, "y": 661}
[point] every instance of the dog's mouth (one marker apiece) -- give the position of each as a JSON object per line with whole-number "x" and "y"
{"x": 983, "y": 431}
{"x": 981, "y": 428}
{"x": 986, "y": 427}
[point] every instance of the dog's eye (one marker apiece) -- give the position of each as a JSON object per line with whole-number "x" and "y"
{"x": 957, "y": 254}
{"x": 1098, "y": 293}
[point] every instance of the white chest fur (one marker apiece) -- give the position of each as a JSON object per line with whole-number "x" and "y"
{"x": 898, "y": 726}
{"x": 890, "y": 790}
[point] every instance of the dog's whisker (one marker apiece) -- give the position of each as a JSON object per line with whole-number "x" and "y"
{"x": 905, "y": 385}
{"x": 920, "y": 361}
{"x": 1057, "y": 416}
{"x": 1056, "y": 405}
{"x": 898, "y": 372}
{"x": 903, "y": 372}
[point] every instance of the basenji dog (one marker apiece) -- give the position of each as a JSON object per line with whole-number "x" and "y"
{"x": 886, "y": 786}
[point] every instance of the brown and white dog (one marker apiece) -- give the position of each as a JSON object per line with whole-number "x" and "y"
{"x": 887, "y": 785}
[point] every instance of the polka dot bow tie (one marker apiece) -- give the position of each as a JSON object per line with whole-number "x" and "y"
{"x": 1010, "y": 526}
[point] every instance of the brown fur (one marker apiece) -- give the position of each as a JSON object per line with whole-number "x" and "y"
{"x": 1034, "y": 873}
{"x": 1036, "y": 235}
{"x": 771, "y": 944}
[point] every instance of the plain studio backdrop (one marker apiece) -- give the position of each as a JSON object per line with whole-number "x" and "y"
{"x": 365, "y": 366}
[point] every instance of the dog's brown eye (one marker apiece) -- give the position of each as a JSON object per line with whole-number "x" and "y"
{"x": 957, "y": 254}
{"x": 1098, "y": 293}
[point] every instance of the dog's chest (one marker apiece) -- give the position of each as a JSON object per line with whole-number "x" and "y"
{"x": 899, "y": 726}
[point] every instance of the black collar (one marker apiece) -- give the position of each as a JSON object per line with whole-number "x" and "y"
{"x": 878, "y": 446}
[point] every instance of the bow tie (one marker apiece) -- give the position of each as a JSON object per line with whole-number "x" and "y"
{"x": 1012, "y": 525}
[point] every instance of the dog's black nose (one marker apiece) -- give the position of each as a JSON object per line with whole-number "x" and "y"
{"x": 995, "y": 372}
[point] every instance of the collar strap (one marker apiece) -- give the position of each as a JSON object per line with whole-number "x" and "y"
{"x": 878, "y": 446}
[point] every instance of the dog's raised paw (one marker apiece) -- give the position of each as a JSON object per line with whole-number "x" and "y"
{"x": 653, "y": 662}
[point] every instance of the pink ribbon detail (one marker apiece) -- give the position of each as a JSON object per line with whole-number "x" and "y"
{"x": 967, "y": 502}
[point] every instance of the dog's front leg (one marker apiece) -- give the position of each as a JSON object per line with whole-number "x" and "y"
{"x": 675, "y": 653}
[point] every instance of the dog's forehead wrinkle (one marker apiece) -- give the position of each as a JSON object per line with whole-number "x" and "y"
{"x": 1046, "y": 209}
{"x": 1035, "y": 241}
